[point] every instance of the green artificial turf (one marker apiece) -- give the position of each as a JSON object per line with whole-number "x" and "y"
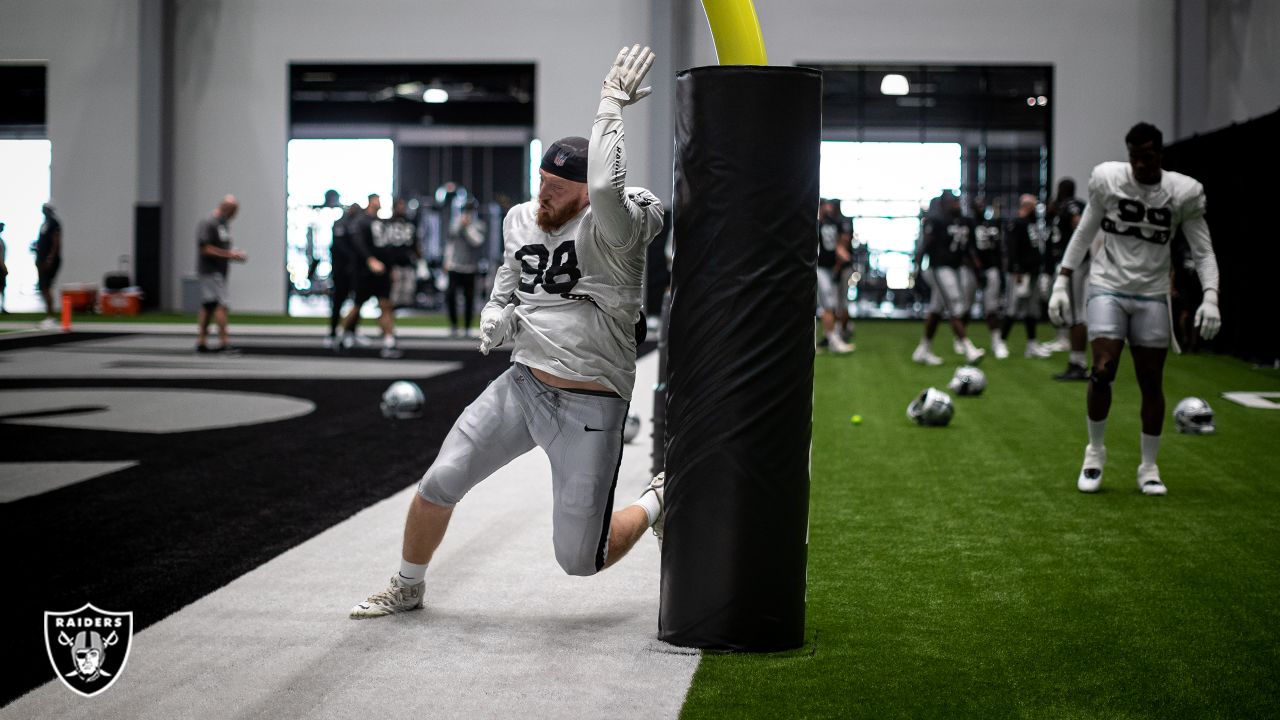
{"x": 957, "y": 572}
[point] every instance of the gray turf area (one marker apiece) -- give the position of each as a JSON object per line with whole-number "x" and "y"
{"x": 505, "y": 632}
{"x": 19, "y": 480}
{"x": 145, "y": 356}
{"x": 146, "y": 410}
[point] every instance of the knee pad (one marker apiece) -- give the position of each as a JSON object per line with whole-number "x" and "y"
{"x": 210, "y": 306}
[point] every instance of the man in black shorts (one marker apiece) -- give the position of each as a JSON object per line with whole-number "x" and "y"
{"x": 341, "y": 270}
{"x": 48, "y": 250}
{"x": 372, "y": 279}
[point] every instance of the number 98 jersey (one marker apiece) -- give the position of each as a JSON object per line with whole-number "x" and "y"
{"x": 1138, "y": 223}
{"x": 579, "y": 291}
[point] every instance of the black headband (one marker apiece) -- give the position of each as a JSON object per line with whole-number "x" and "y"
{"x": 567, "y": 158}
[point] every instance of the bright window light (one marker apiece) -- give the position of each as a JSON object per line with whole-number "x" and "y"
{"x": 24, "y": 187}
{"x": 535, "y": 161}
{"x": 883, "y": 187}
{"x": 356, "y": 169}
{"x": 894, "y": 84}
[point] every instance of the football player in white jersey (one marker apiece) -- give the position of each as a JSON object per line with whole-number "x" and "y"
{"x": 568, "y": 296}
{"x": 1139, "y": 208}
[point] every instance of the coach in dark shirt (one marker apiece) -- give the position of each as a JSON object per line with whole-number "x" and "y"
{"x": 213, "y": 238}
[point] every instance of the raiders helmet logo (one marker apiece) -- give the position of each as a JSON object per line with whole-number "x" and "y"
{"x": 89, "y": 647}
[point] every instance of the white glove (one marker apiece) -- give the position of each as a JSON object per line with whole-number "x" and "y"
{"x": 1208, "y": 319}
{"x": 495, "y": 326}
{"x": 1060, "y": 300}
{"x": 625, "y": 76}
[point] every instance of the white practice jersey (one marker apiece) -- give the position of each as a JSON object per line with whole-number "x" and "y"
{"x": 1135, "y": 225}
{"x": 579, "y": 289}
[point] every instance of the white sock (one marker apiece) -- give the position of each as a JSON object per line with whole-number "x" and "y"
{"x": 389, "y": 341}
{"x": 1150, "y": 448}
{"x": 927, "y": 344}
{"x": 412, "y": 574}
{"x": 1077, "y": 358}
{"x": 968, "y": 345}
{"x": 649, "y": 503}
{"x": 1098, "y": 432}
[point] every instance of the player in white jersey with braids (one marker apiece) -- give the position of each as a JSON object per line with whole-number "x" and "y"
{"x": 568, "y": 296}
{"x": 1138, "y": 207}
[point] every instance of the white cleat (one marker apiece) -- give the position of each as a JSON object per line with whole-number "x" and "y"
{"x": 658, "y": 486}
{"x": 1149, "y": 480}
{"x": 924, "y": 356}
{"x": 958, "y": 347}
{"x": 1057, "y": 345}
{"x": 1000, "y": 350}
{"x": 1036, "y": 351}
{"x": 398, "y": 597}
{"x": 837, "y": 345}
{"x": 1091, "y": 471}
{"x": 973, "y": 355}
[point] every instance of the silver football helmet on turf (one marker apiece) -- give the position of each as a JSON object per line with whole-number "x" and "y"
{"x": 931, "y": 408}
{"x": 968, "y": 380}
{"x": 402, "y": 400}
{"x": 1193, "y": 415}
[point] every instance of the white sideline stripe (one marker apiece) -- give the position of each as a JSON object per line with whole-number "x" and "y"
{"x": 505, "y": 632}
{"x": 26, "y": 479}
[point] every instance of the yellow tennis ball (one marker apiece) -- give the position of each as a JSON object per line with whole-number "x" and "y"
{"x": 856, "y": 419}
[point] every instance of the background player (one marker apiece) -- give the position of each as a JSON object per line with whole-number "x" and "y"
{"x": 1025, "y": 262}
{"x": 988, "y": 263}
{"x": 1139, "y": 208}
{"x": 834, "y": 252}
{"x": 574, "y": 261}
{"x": 944, "y": 239}
{"x": 1064, "y": 217}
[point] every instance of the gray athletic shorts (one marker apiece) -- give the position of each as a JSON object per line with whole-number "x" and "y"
{"x": 213, "y": 288}
{"x": 582, "y": 436}
{"x": 992, "y": 292}
{"x": 948, "y": 294}
{"x": 828, "y": 293}
{"x": 1020, "y": 306}
{"x": 1142, "y": 320}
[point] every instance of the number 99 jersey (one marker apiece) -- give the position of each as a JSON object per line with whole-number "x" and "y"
{"x": 578, "y": 290}
{"x": 1138, "y": 223}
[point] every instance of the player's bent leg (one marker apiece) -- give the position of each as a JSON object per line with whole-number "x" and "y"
{"x": 1106, "y": 357}
{"x": 582, "y": 434}
{"x": 490, "y": 433}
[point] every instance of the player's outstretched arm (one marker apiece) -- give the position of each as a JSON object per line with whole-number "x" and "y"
{"x": 1082, "y": 237}
{"x": 618, "y": 216}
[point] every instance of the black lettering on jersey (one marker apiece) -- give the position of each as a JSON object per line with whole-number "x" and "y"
{"x": 1153, "y": 225}
{"x": 556, "y": 272}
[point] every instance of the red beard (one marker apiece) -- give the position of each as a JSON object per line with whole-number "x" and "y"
{"x": 550, "y": 220}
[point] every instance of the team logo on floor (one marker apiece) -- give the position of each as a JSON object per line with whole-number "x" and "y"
{"x": 88, "y": 647}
